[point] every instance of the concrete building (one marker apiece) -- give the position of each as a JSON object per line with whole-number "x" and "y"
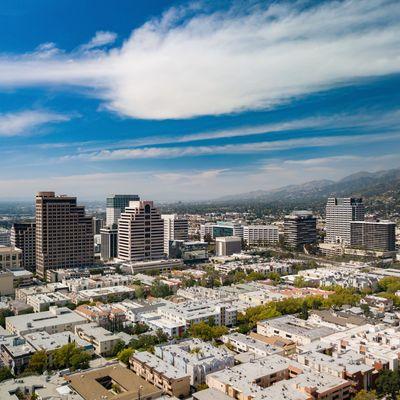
{"x": 10, "y": 257}
{"x": 5, "y": 237}
{"x": 195, "y": 358}
{"x": 189, "y": 252}
{"x": 15, "y": 353}
{"x": 115, "y": 205}
{"x": 340, "y": 212}
{"x": 23, "y": 236}
{"x": 220, "y": 229}
{"x": 228, "y": 245}
{"x": 64, "y": 234}
{"x": 140, "y": 233}
{"x": 6, "y": 283}
{"x": 53, "y": 321}
{"x": 109, "y": 243}
{"x": 43, "y": 302}
{"x": 162, "y": 375}
{"x": 373, "y": 235}
{"x": 300, "y": 228}
{"x": 175, "y": 228}
{"x": 262, "y": 235}
{"x": 103, "y": 341}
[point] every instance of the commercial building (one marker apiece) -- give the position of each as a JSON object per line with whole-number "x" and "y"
{"x": 109, "y": 243}
{"x": 6, "y": 283}
{"x": 220, "y": 229}
{"x": 10, "y": 257}
{"x": 115, "y": 205}
{"x": 161, "y": 374}
{"x": 98, "y": 223}
{"x": 175, "y": 228}
{"x": 340, "y": 212}
{"x": 140, "y": 233}
{"x": 189, "y": 252}
{"x": 64, "y": 234}
{"x": 300, "y": 228}
{"x": 5, "y": 237}
{"x": 373, "y": 235}
{"x": 256, "y": 235}
{"x": 155, "y": 265}
{"x": 53, "y": 321}
{"x": 228, "y": 245}
{"x": 23, "y": 236}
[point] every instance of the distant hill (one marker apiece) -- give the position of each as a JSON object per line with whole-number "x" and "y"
{"x": 382, "y": 188}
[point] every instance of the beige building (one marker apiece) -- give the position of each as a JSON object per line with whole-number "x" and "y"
{"x": 23, "y": 236}
{"x": 162, "y": 375}
{"x": 64, "y": 234}
{"x": 10, "y": 257}
{"x": 228, "y": 245}
{"x": 140, "y": 233}
{"x": 175, "y": 228}
{"x": 6, "y": 283}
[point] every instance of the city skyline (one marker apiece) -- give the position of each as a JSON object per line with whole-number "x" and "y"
{"x": 183, "y": 100}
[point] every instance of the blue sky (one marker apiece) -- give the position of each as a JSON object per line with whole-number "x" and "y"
{"x": 194, "y": 100}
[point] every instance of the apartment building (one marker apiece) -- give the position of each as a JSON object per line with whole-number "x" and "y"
{"x": 23, "y": 236}
{"x": 256, "y": 235}
{"x": 43, "y": 302}
{"x": 57, "y": 319}
{"x": 340, "y": 212}
{"x": 140, "y": 233}
{"x": 300, "y": 228}
{"x": 15, "y": 353}
{"x": 161, "y": 374}
{"x": 175, "y": 228}
{"x": 64, "y": 234}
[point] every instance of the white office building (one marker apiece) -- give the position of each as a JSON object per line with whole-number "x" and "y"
{"x": 175, "y": 228}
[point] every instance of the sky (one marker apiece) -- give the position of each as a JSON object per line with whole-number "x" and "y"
{"x": 194, "y": 100}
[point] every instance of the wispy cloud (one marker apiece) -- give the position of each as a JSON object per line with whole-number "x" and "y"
{"x": 26, "y": 122}
{"x": 242, "y": 148}
{"x": 187, "y": 64}
{"x": 100, "y": 39}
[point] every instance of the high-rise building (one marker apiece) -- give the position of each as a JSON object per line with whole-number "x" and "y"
{"x": 109, "y": 243}
{"x": 64, "y": 234}
{"x": 339, "y": 213}
{"x": 300, "y": 228}
{"x": 175, "y": 228}
{"x": 260, "y": 234}
{"x": 116, "y": 205}
{"x": 5, "y": 237}
{"x": 23, "y": 236}
{"x": 140, "y": 232}
{"x": 98, "y": 223}
{"x": 373, "y": 235}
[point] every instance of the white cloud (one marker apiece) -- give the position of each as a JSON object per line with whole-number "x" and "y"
{"x": 25, "y": 122}
{"x": 224, "y": 62}
{"x": 242, "y": 148}
{"x": 100, "y": 39}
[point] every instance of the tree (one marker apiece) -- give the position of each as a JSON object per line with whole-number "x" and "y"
{"x": 71, "y": 356}
{"x": 124, "y": 355}
{"x": 3, "y": 315}
{"x": 120, "y": 345}
{"x": 79, "y": 360}
{"x": 38, "y": 362}
{"x": 159, "y": 289}
{"x": 388, "y": 384}
{"x": 5, "y": 373}
{"x": 204, "y": 331}
{"x": 364, "y": 395}
{"x": 139, "y": 293}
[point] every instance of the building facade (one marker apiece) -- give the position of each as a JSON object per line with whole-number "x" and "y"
{"x": 300, "y": 228}
{"x": 115, "y": 205}
{"x": 175, "y": 228}
{"x": 23, "y": 236}
{"x": 64, "y": 234}
{"x": 109, "y": 243}
{"x": 228, "y": 245}
{"x": 375, "y": 235}
{"x": 140, "y": 233}
{"x": 260, "y": 234}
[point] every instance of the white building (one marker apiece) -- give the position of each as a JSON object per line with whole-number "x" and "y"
{"x": 175, "y": 228}
{"x": 260, "y": 234}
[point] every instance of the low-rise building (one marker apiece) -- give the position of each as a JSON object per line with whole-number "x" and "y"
{"x": 103, "y": 294}
{"x": 260, "y": 235}
{"x": 10, "y": 257}
{"x": 161, "y": 374}
{"x": 43, "y": 302}
{"x": 6, "y": 283}
{"x": 15, "y": 353}
{"x": 228, "y": 245}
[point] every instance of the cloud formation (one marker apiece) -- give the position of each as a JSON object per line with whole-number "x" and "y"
{"x": 25, "y": 122}
{"x": 188, "y": 64}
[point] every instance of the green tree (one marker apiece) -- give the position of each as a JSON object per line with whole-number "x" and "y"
{"x": 79, "y": 360}
{"x": 204, "y": 331}
{"x": 364, "y": 395}
{"x": 140, "y": 293}
{"x": 120, "y": 345}
{"x": 38, "y": 362}
{"x": 71, "y": 356}
{"x": 388, "y": 384}
{"x": 159, "y": 289}
{"x": 124, "y": 355}
{"x": 5, "y": 373}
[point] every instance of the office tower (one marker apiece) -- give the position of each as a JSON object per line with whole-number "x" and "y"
{"x": 220, "y": 229}
{"x": 109, "y": 243}
{"x": 260, "y": 234}
{"x": 375, "y": 235}
{"x": 228, "y": 245}
{"x": 23, "y": 236}
{"x": 339, "y": 213}
{"x": 300, "y": 228}
{"x": 5, "y": 237}
{"x": 116, "y": 205}
{"x": 64, "y": 234}
{"x": 175, "y": 228}
{"x": 140, "y": 232}
{"x": 98, "y": 223}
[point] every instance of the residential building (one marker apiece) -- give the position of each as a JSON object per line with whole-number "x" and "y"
{"x": 300, "y": 228}
{"x": 154, "y": 265}
{"x": 102, "y": 340}
{"x": 102, "y": 294}
{"x": 256, "y": 235}
{"x": 195, "y": 358}
{"x": 373, "y": 235}
{"x": 228, "y": 245}
{"x": 340, "y": 212}
{"x": 53, "y": 321}
{"x": 161, "y": 374}
{"x": 338, "y": 320}
{"x": 175, "y": 228}
{"x": 43, "y": 302}
{"x": 10, "y": 257}
{"x": 6, "y": 283}
{"x": 140, "y": 233}
{"x": 23, "y": 236}
{"x": 15, "y": 353}
{"x": 115, "y": 205}
{"x": 64, "y": 234}
{"x": 109, "y": 243}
